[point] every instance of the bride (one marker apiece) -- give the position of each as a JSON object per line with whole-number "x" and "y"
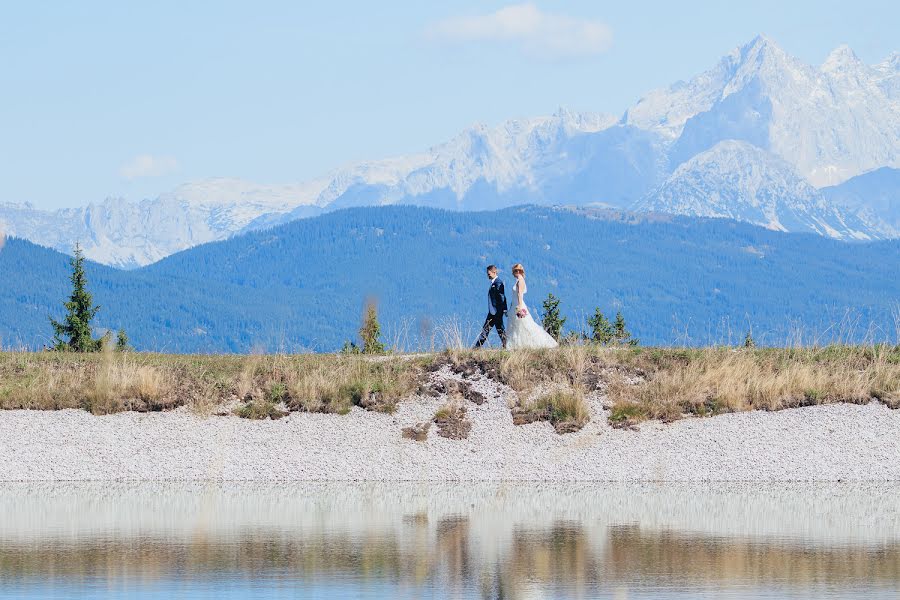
{"x": 523, "y": 331}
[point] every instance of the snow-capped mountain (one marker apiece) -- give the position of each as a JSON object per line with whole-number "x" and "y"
{"x": 830, "y": 122}
{"x": 751, "y": 138}
{"x": 490, "y": 167}
{"x": 131, "y": 234}
{"x": 738, "y": 180}
{"x": 584, "y": 158}
{"x": 887, "y": 76}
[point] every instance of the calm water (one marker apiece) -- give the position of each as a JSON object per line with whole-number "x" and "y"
{"x": 449, "y": 541}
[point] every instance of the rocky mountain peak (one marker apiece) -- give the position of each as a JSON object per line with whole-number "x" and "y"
{"x": 759, "y": 130}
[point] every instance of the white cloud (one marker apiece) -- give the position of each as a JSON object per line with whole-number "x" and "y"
{"x": 147, "y": 165}
{"x": 534, "y": 31}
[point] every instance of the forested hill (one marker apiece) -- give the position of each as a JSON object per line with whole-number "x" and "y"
{"x": 302, "y": 286}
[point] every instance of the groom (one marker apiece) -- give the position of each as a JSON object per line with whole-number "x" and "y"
{"x": 496, "y": 309}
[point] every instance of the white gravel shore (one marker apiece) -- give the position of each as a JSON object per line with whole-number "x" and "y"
{"x": 840, "y": 442}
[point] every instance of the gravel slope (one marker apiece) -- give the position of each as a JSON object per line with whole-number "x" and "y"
{"x": 823, "y": 443}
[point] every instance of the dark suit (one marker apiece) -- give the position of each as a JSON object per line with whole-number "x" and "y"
{"x": 497, "y": 300}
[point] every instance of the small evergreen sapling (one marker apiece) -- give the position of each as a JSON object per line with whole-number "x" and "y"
{"x": 350, "y": 347}
{"x": 601, "y": 330}
{"x": 552, "y": 321}
{"x": 749, "y": 342}
{"x": 122, "y": 342}
{"x": 370, "y": 332}
{"x": 621, "y": 335}
{"x": 74, "y": 332}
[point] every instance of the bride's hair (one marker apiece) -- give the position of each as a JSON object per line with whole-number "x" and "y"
{"x": 518, "y": 268}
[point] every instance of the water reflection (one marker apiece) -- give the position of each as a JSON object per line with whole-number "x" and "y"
{"x": 490, "y": 541}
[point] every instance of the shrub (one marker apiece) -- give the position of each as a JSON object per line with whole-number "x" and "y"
{"x": 260, "y": 409}
{"x": 626, "y": 414}
{"x": 277, "y": 392}
{"x": 564, "y": 408}
{"x": 451, "y": 421}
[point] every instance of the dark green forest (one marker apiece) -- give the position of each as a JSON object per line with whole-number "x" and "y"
{"x": 302, "y": 286}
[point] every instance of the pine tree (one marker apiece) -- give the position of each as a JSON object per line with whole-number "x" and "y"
{"x": 748, "y": 340}
{"x": 621, "y": 335}
{"x": 74, "y": 333}
{"x": 349, "y": 347}
{"x": 370, "y": 332}
{"x": 601, "y": 330}
{"x": 122, "y": 341}
{"x": 553, "y": 323}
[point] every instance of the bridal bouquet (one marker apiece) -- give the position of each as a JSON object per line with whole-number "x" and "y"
{"x": 521, "y": 313}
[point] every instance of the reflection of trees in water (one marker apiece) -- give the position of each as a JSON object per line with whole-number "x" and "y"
{"x": 559, "y": 557}
{"x": 448, "y": 557}
{"x": 452, "y": 561}
{"x": 700, "y": 559}
{"x": 364, "y": 557}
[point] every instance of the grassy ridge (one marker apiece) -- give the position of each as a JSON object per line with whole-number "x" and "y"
{"x": 636, "y": 383}
{"x": 111, "y": 382}
{"x": 711, "y": 381}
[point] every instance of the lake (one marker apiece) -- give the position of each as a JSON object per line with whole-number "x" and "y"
{"x": 403, "y": 540}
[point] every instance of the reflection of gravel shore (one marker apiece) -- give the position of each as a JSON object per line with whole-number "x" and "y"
{"x": 826, "y": 443}
{"x": 45, "y": 513}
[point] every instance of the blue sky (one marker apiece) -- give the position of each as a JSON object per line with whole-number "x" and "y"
{"x": 130, "y": 99}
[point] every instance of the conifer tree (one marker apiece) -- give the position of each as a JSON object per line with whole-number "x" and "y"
{"x": 74, "y": 333}
{"x": 621, "y": 335}
{"x": 349, "y": 347}
{"x": 553, "y": 322}
{"x": 370, "y": 332}
{"x": 749, "y": 341}
{"x": 601, "y": 330}
{"x": 122, "y": 341}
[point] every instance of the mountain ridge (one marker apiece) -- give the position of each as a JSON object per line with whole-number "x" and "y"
{"x": 829, "y": 123}
{"x": 301, "y": 286}
{"x": 740, "y": 181}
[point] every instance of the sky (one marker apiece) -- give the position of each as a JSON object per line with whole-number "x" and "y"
{"x": 126, "y": 99}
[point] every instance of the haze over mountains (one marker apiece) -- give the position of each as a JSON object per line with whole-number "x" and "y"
{"x": 761, "y": 137}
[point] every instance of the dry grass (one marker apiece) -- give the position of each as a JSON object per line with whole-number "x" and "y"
{"x": 103, "y": 384}
{"x": 451, "y": 421}
{"x": 340, "y": 382}
{"x": 110, "y": 382}
{"x": 260, "y": 409}
{"x": 121, "y": 385}
{"x": 670, "y": 383}
{"x": 525, "y": 371}
{"x": 641, "y": 383}
{"x": 565, "y": 409}
{"x": 711, "y": 381}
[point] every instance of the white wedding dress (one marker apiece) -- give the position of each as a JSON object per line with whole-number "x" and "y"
{"x": 526, "y": 332}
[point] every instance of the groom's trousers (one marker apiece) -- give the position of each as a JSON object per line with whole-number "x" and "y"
{"x": 492, "y": 321}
